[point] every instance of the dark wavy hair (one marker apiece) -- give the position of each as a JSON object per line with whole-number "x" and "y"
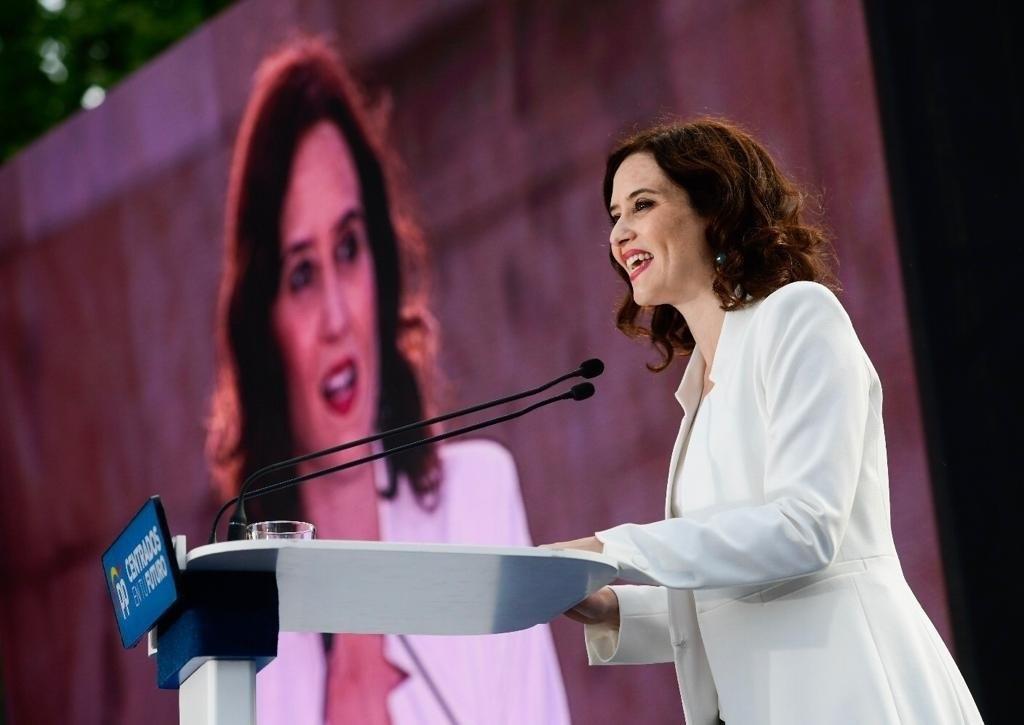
{"x": 295, "y": 88}
{"x": 754, "y": 217}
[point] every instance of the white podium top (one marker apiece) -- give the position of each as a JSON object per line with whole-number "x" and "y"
{"x": 374, "y": 587}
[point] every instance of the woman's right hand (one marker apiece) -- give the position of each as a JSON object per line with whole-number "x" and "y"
{"x": 601, "y": 607}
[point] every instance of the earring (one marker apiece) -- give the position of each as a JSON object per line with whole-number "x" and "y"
{"x": 720, "y": 259}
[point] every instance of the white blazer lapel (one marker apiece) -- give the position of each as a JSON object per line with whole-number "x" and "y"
{"x": 688, "y": 395}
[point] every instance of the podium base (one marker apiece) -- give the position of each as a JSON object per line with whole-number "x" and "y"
{"x": 220, "y": 692}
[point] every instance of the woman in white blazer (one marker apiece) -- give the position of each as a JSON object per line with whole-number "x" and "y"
{"x": 773, "y": 583}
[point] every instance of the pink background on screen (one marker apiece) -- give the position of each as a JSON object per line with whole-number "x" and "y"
{"x": 110, "y": 253}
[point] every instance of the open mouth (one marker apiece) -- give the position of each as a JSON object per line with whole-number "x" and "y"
{"x": 339, "y": 386}
{"x": 637, "y": 262}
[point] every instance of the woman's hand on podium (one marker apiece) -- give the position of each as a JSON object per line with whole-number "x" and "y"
{"x": 601, "y": 607}
{"x": 587, "y": 543}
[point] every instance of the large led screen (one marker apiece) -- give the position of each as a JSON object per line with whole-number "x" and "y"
{"x": 189, "y": 290}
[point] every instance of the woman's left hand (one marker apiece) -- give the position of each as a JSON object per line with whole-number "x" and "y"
{"x": 589, "y": 543}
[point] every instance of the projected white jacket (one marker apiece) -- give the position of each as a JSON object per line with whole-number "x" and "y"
{"x": 508, "y": 678}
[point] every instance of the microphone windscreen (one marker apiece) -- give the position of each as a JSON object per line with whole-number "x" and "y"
{"x": 591, "y": 368}
{"x": 582, "y": 391}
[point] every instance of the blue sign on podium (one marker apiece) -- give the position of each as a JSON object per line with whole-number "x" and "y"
{"x": 141, "y": 571}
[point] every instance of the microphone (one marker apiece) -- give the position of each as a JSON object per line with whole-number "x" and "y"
{"x": 590, "y": 368}
{"x": 580, "y": 391}
{"x": 236, "y": 528}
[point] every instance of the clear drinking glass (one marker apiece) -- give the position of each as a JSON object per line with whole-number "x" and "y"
{"x": 280, "y": 530}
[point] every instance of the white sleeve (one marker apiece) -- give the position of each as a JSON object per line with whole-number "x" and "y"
{"x": 486, "y": 504}
{"x": 816, "y": 380}
{"x": 642, "y": 636}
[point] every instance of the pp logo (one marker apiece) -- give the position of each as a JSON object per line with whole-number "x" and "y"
{"x": 122, "y": 590}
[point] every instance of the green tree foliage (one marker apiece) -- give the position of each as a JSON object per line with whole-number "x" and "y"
{"x": 52, "y": 52}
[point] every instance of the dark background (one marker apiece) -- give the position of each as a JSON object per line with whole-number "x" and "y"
{"x": 950, "y": 92}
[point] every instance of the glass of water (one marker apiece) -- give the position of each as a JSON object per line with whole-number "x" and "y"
{"x": 280, "y": 530}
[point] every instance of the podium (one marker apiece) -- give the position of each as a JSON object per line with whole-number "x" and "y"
{"x": 240, "y": 594}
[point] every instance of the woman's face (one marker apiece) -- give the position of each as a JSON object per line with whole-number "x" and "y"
{"x": 657, "y": 236}
{"x": 325, "y": 313}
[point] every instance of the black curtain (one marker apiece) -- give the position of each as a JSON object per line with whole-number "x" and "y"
{"x": 948, "y": 80}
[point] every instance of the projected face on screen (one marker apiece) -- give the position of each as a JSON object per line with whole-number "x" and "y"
{"x": 325, "y": 313}
{"x": 322, "y": 320}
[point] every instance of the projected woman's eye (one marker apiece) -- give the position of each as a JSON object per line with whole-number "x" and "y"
{"x": 347, "y": 247}
{"x": 300, "y": 276}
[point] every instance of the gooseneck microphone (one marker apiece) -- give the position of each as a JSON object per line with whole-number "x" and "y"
{"x": 236, "y": 529}
{"x": 580, "y": 391}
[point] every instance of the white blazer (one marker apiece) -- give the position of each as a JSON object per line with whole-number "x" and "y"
{"x": 776, "y": 589}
